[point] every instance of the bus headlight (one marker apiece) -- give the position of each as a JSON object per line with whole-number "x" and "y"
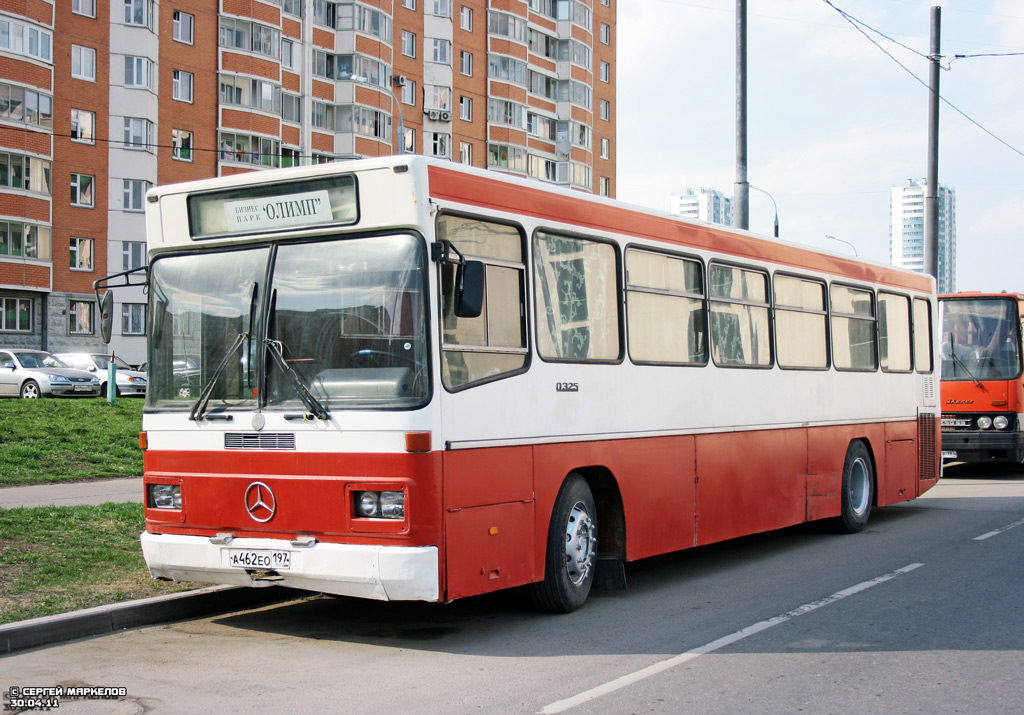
{"x": 380, "y": 505}
{"x": 163, "y": 496}
{"x": 1001, "y": 422}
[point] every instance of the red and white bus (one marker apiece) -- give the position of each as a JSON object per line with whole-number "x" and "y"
{"x": 982, "y": 389}
{"x": 402, "y": 378}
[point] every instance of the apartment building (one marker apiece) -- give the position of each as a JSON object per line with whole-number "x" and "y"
{"x": 702, "y": 204}
{"x": 906, "y": 231}
{"x": 102, "y": 99}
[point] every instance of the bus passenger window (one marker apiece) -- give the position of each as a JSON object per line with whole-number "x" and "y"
{"x": 853, "y": 329}
{"x": 493, "y": 344}
{"x": 894, "y": 332}
{"x": 923, "y": 360}
{"x": 739, "y": 317}
{"x": 665, "y": 309}
{"x": 576, "y": 286}
{"x": 800, "y": 340}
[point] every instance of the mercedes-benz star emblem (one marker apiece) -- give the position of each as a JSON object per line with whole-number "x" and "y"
{"x": 260, "y": 502}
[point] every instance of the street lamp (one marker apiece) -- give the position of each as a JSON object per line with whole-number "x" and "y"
{"x": 842, "y": 240}
{"x": 751, "y": 186}
{"x": 360, "y": 79}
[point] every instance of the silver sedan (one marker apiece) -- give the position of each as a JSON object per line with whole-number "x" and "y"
{"x": 34, "y": 373}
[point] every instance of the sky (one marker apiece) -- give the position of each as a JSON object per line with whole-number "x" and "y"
{"x": 833, "y": 122}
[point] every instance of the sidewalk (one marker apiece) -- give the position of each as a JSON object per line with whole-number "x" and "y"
{"x": 128, "y": 614}
{"x": 70, "y": 493}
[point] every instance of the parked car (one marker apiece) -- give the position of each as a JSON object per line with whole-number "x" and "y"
{"x": 128, "y": 381}
{"x": 34, "y": 373}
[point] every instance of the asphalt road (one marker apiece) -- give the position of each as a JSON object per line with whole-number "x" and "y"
{"x": 919, "y": 613}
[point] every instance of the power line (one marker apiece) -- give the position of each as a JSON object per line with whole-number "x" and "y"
{"x": 859, "y": 26}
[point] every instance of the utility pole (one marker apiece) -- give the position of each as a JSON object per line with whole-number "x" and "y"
{"x": 931, "y": 196}
{"x": 741, "y": 200}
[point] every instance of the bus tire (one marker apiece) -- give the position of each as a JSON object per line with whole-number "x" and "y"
{"x": 857, "y": 490}
{"x": 571, "y": 553}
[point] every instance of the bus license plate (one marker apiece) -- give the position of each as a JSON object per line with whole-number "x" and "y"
{"x": 948, "y": 454}
{"x": 260, "y": 559}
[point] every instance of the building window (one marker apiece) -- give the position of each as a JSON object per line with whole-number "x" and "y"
{"x": 606, "y": 110}
{"x": 138, "y": 12}
{"x": 466, "y": 109}
{"x": 24, "y": 239}
{"x": 287, "y": 54}
{"x": 138, "y": 134}
{"x": 292, "y": 7}
{"x": 137, "y": 72}
{"x": 440, "y": 144}
{"x": 16, "y": 315}
{"x": 466, "y": 18}
{"x": 440, "y": 8}
{"x": 251, "y": 36}
{"x": 605, "y": 185}
{"x": 81, "y": 254}
{"x": 409, "y": 4}
{"x": 25, "y": 172}
{"x": 24, "y": 39}
{"x": 466, "y": 63}
{"x": 440, "y": 51}
{"x": 81, "y": 190}
{"x": 606, "y": 72}
{"x": 291, "y": 107}
{"x": 181, "y": 86}
{"x": 184, "y": 27}
{"x": 80, "y": 320}
{"x": 83, "y": 126}
{"x": 181, "y": 144}
{"x": 261, "y": 151}
{"x": 466, "y": 153}
{"x": 606, "y": 34}
{"x": 84, "y": 7}
{"x": 133, "y": 255}
{"x": 408, "y": 43}
{"x": 605, "y": 148}
{"x": 135, "y": 194}
{"x": 410, "y": 140}
{"x": 18, "y": 104}
{"x": 83, "y": 63}
{"x": 437, "y": 97}
{"x": 133, "y": 319}
{"x": 409, "y": 92}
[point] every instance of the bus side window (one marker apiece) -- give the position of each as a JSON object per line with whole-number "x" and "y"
{"x": 922, "y": 335}
{"x": 739, "y": 317}
{"x": 492, "y": 345}
{"x": 853, "y": 328}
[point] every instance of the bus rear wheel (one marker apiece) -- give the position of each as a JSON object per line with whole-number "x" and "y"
{"x": 571, "y": 554}
{"x": 857, "y": 490}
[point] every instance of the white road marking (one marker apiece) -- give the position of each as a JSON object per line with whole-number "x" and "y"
{"x": 636, "y": 676}
{"x": 998, "y": 531}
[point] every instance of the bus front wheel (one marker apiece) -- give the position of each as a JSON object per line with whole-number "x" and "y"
{"x": 857, "y": 490}
{"x": 571, "y": 554}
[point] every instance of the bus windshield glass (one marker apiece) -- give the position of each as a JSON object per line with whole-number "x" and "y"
{"x": 342, "y": 320}
{"x": 980, "y": 339}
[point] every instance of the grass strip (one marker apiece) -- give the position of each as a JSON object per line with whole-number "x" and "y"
{"x": 55, "y": 440}
{"x": 59, "y": 559}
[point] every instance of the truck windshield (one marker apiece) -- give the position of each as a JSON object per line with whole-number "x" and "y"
{"x": 342, "y": 320}
{"x": 980, "y": 339}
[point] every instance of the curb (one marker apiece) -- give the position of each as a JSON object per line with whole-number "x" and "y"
{"x": 115, "y": 617}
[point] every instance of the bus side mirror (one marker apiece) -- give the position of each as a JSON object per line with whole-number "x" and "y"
{"x": 469, "y": 290}
{"x": 107, "y": 315}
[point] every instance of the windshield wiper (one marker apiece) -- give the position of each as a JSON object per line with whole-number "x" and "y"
{"x": 199, "y": 408}
{"x": 958, "y": 361}
{"x": 314, "y": 405}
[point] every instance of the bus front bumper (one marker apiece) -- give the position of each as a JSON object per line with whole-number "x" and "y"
{"x": 987, "y": 446}
{"x": 384, "y": 573}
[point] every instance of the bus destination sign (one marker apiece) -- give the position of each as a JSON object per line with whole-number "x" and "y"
{"x": 268, "y": 212}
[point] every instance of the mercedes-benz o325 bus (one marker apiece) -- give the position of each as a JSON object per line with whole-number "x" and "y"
{"x": 406, "y": 379}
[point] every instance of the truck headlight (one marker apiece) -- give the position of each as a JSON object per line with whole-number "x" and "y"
{"x": 1001, "y": 422}
{"x": 163, "y": 496}
{"x": 985, "y": 422}
{"x": 380, "y": 505}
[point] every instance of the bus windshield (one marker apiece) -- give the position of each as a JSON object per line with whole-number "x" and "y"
{"x": 343, "y": 321}
{"x": 980, "y": 339}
